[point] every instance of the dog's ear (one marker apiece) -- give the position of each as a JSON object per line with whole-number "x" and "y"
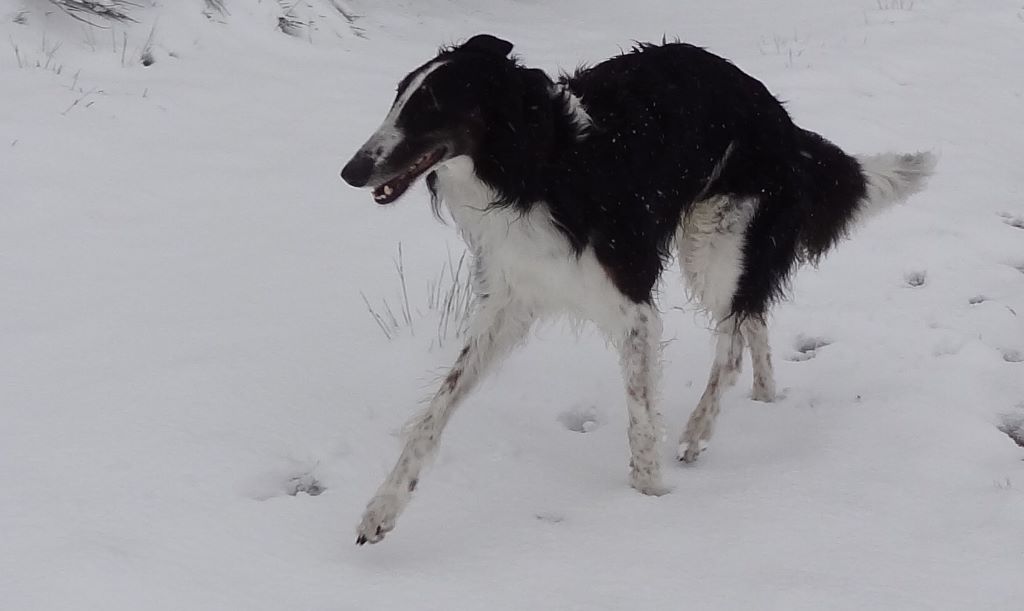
{"x": 485, "y": 43}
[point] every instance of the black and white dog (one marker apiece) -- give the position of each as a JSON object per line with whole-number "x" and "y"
{"x": 573, "y": 195}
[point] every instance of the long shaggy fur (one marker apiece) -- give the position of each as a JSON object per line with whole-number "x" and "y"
{"x": 574, "y": 194}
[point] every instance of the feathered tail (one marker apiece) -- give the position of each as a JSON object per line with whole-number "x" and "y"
{"x": 840, "y": 191}
{"x": 892, "y": 178}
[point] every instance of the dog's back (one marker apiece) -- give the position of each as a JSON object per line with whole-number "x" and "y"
{"x": 674, "y": 126}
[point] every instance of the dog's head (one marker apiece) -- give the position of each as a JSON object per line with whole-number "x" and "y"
{"x": 437, "y": 114}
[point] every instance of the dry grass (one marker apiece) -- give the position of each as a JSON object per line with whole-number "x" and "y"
{"x": 896, "y": 5}
{"x": 84, "y": 10}
{"x": 449, "y": 299}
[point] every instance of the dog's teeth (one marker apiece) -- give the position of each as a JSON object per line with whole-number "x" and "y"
{"x": 387, "y": 190}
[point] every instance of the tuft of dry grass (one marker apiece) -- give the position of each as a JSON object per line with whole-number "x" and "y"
{"x": 111, "y": 10}
{"x": 450, "y": 298}
{"x": 895, "y": 5}
{"x": 48, "y": 60}
{"x": 217, "y": 5}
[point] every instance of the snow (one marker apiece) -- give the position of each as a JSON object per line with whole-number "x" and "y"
{"x": 197, "y": 405}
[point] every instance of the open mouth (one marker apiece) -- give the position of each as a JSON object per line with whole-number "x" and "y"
{"x": 394, "y": 188}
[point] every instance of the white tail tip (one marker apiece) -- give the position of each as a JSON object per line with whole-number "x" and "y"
{"x": 893, "y": 177}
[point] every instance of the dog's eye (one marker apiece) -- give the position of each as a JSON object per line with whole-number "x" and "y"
{"x": 425, "y": 103}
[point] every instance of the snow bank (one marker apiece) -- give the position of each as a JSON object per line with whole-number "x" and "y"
{"x": 196, "y": 404}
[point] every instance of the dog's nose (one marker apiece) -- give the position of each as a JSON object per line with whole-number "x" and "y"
{"x": 357, "y": 171}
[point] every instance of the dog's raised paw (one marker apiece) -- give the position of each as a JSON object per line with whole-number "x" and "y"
{"x": 378, "y": 519}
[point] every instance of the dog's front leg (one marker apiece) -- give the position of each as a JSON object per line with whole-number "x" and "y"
{"x": 494, "y": 331}
{"x": 639, "y": 350}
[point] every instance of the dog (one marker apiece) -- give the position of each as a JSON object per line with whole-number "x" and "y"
{"x": 574, "y": 194}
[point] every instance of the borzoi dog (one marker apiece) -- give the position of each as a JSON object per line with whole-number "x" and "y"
{"x": 574, "y": 194}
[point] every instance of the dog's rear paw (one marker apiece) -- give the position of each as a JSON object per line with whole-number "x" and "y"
{"x": 689, "y": 451}
{"x": 378, "y": 519}
{"x": 649, "y": 487}
{"x": 645, "y": 475}
{"x": 763, "y": 392}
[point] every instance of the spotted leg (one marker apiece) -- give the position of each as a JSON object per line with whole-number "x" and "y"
{"x": 755, "y": 332}
{"x": 724, "y": 371}
{"x": 640, "y": 364}
{"x": 495, "y": 330}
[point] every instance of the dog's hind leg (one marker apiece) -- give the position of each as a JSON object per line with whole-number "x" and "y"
{"x": 640, "y": 366}
{"x": 711, "y": 254}
{"x": 755, "y": 332}
{"x": 724, "y": 371}
{"x": 494, "y": 331}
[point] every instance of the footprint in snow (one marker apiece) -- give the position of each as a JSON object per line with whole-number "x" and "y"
{"x": 980, "y": 299}
{"x": 1011, "y": 355}
{"x": 306, "y": 483}
{"x": 807, "y": 347}
{"x": 1012, "y": 220}
{"x": 285, "y": 483}
{"x": 550, "y": 518}
{"x": 580, "y": 419}
{"x": 915, "y": 279}
{"x": 1013, "y": 426}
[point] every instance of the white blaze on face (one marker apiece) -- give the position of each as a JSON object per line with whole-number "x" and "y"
{"x": 388, "y": 136}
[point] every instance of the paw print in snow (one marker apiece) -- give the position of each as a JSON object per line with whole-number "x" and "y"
{"x": 580, "y": 419}
{"x": 304, "y": 484}
{"x": 1012, "y": 220}
{"x": 1011, "y": 355}
{"x": 915, "y": 279}
{"x": 807, "y": 347}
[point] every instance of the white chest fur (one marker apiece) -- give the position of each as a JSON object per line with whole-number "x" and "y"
{"x": 524, "y": 257}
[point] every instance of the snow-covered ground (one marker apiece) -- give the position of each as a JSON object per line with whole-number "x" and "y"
{"x": 195, "y": 403}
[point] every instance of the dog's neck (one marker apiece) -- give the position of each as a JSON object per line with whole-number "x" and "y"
{"x": 529, "y": 142}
